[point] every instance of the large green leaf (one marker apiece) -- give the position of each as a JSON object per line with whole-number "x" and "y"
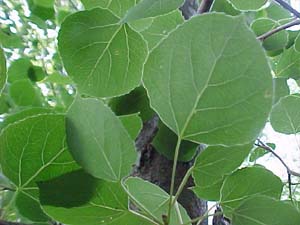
{"x": 200, "y": 90}
{"x": 248, "y": 5}
{"x": 77, "y": 198}
{"x": 98, "y": 141}
{"x": 3, "y": 75}
{"x": 247, "y": 182}
{"x": 23, "y": 93}
{"x": 118, "y": 7}
{"x": 285, "y": 116}
{"x": 262, "y": 210}
{"x": 275, "y": 42}
{"x": 103, "y": 57}
{"x": 224, "y": 6}
{"x": 154, "y": 200}
{"x": 151, "y": 8}
{"x": 214, "y": 163}
{"x": 289, "y": 64}
{"x": 32, "y": 150}
{"x": 157, "y": 28}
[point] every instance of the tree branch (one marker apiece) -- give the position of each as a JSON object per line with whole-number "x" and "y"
{"x": 288, "y": 7}
{"x": 269, "y": 149}
{"x": 278, "y": 29}
{"x": 205, "y": 6}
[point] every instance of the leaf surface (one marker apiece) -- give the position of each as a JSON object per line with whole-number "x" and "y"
{"x": 248, "y": 5}
{"x": 98, "y": 140}
{"x": 103, "y": 57}
{"x": 3, "y": 75}
{"x": 199, "y": 89}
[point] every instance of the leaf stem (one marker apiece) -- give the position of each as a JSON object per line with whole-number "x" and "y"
{"x": 173, "y": 178}
{"x": 201, "y": 218}
{"x": 182, "y": 184}
{"x": 278, "y": 29}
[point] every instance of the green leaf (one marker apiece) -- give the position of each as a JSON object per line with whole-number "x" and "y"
{"x": 262, "y": 210}
{"x": 12, "y": 118}
{"x": 281, "y": 89}
{"x": 193, "y": 95}
{"x": 98, "y": 141}
{"x": 24, "y": 93}
{"x": 248, "y": 5}
{"x": 259, "y": 152}
{"x": 224, "y": 6}
{"x": 10, "y": 40}
{"x": 22, "y": 69}
{"x": 275, "y": 42}
{"x": 118, "y": 7}
{"x": 134, "y": 102}
{"x": 103, "y": 57}
{"x": 165, "y": 142}
{"x": 42, "y": 8}
{"x": 151, "y": 8}
{"x": 31, "y": 150}
{"x": 157, "y": 28}
{"x": 213, "y": 164}
{"x": 285, "y": 116}
{"x": 247, "y": 182}
{"x": 154, "y": 200}
{"x": 58, "y": 78}
{"x": 3, "y": 75}
{"x": 211, "y": 193}
{"x": 77, "y": 198}
{"x": 132, "y": 123}
{"x": 297, "y": 43}
{"x": 289, "y": 64}
{"x": 276, "y": 12}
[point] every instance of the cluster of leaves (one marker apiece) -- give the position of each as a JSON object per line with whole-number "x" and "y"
{"x": 209, "y": 79}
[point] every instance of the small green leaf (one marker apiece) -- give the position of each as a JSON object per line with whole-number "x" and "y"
{"x": 77, "y": 198}
{"x": 3, "y": 75}
{"x": 224, "y": 6}
{"x": 248, "y": 5}
{"x": 213, "y": 164}
{"x": 154, "y": 200}
{"x": 98, "y": 141}
{"x": 276, "y": 12}
{"x": 24, "y": 93}
{"x": 103, "y": 57}
{"x": 285, "y": 116}
{"x": 132, "y": 123}
{"x": 210, "y": 193}
{"x": 275, "y": 42}
{"x": 151, "y": 8}
{"x": 42, "y": 8}
{"x": 248, "y": 182}
{"x": 281, "y": 89}
{"x": 18, "y": 70}
{"x": 31, "y": 150}
{"x": 289, "y": 64}
{"x": 196, "y": 88}
{"x": 259, "y": 152}
{"x": 58, "y": 79}
{"x": 262, "y": 210}
{"x": 118, "y": 7}
{"x": 10, "y": 40}
{"x": 157, "y": 28}
{"x": 135, "y": 102}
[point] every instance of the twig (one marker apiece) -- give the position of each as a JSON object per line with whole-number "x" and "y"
{"x": 278, "y": 29}
{"x": 269, "y": 149}
{"x": 205, "y": 6}
{"x": 288, "y": 7}
{"x": 288, "y": 170}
